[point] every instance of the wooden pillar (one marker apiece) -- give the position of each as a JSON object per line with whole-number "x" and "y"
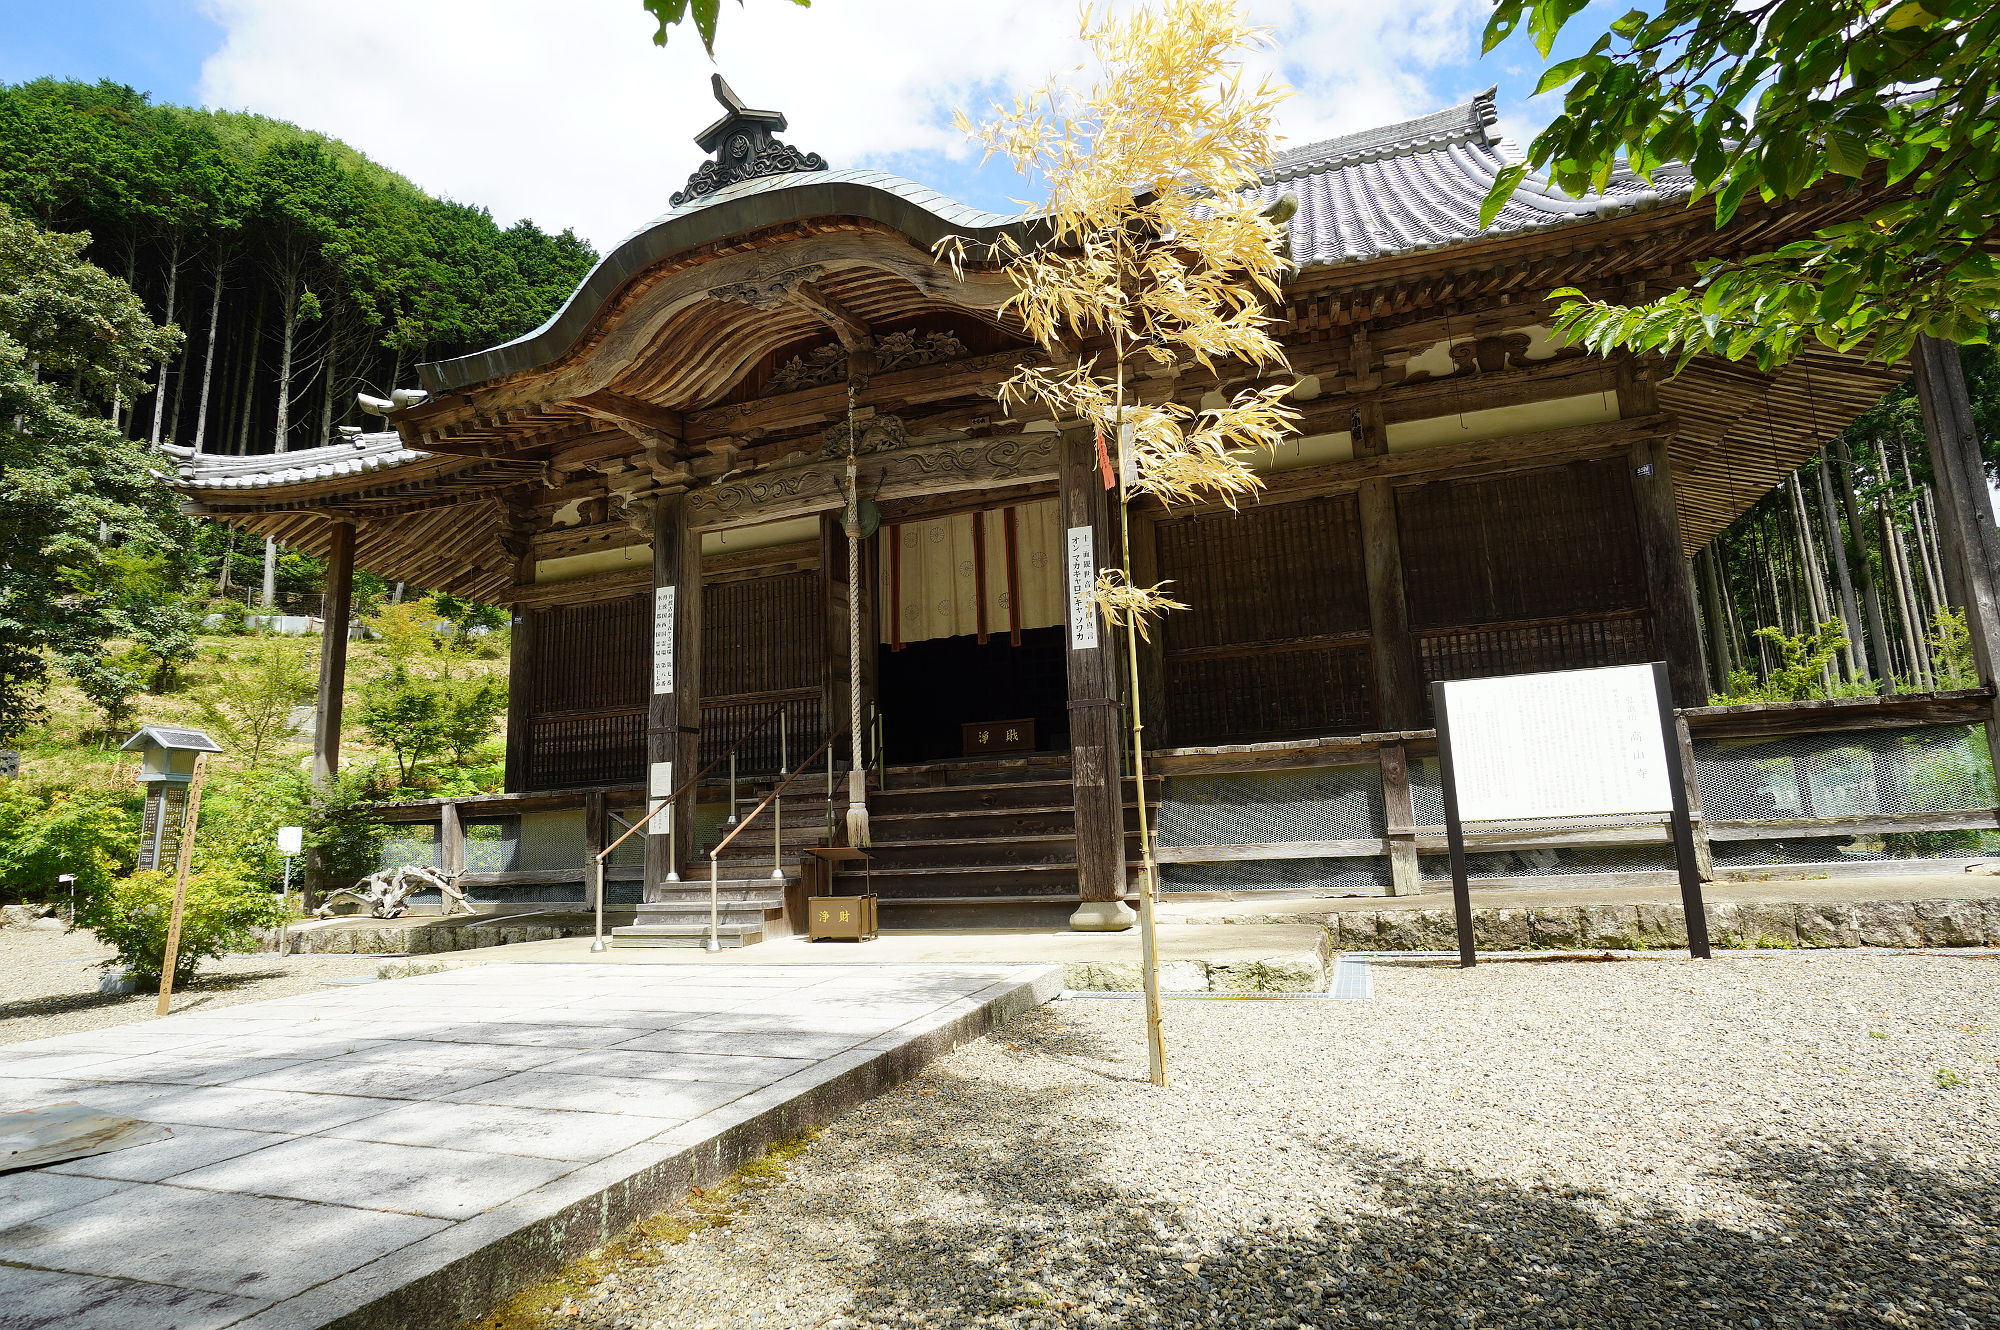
{"x": 521, "y": 666}
{"x": 673, "y": 714}
{"x": 451, "y": 839}
{"x": 595, "y": 837}
{"x": 1399, "y": 822}
{"x": 1669, "y": 589}
{"x": 1965, "y": 506}
{"x": 338, "y": 609}
{"x": 1090, "y": 542}
{"x": 1399, "y": 692}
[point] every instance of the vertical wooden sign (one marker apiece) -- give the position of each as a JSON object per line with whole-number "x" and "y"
{"x": 663, "y": 639}
{"x": 1082, "y": 564}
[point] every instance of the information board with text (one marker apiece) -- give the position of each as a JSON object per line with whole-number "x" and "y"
{"x": 1575, "y": 743}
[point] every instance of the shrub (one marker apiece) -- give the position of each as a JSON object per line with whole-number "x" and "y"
{"x": 47, "y": 831}
{"x": 132, "y": 917}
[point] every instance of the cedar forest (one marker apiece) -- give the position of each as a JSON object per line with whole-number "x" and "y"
{"x": 240, "y": 279}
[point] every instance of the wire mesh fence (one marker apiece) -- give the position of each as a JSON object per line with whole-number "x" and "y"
{"x": 1272, "y": 807}
{"x": 1856, "y": 773}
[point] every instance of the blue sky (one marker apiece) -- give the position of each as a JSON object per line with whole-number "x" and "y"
{"x": 563, "y": 111}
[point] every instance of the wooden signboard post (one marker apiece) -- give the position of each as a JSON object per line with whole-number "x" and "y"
{"x": 1575, "y": 743}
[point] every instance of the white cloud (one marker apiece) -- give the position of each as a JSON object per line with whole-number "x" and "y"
{"x": 563, "y": 110}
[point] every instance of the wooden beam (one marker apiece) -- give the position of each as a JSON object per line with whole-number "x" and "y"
{"x": 1669, "y": 589}
{"x": 624, "y": 411}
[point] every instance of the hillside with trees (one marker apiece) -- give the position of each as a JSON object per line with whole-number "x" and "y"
{"x": 299, "y": 270}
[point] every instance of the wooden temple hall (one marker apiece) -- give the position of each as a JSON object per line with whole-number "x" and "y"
{"x": 654, "y": 481}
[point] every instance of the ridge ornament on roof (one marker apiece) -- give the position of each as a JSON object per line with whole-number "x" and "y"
{"x": 745, "y": 148}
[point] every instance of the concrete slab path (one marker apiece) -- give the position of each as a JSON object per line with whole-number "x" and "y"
{"x": 406, "y": 1153}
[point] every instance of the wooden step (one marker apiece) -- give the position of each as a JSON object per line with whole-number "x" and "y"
{"x": 963, "y": 882}
{"x": 975, "y": 851}
{"x": 728, "y": 936}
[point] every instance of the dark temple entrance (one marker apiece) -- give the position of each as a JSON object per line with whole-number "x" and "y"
{"x": 931, "y": 690}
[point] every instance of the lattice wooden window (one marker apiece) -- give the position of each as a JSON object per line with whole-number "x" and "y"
{"x": 1275, "y": 642}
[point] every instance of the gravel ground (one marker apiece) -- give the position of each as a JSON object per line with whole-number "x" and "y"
{"x": 48, "y": 983}
{"x": 1794, "y": 1140}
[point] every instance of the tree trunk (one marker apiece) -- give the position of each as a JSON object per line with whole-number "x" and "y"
{"x": 1871, "y": 595}
{"x": 252, "y": 354}
{"x": 1836, "y": 550}
{"x": 208, "y": 352}
{"x": 1721, "y": 653}
{"x": 160, "y": 384}
{"x": 288, "y": 333}
{"x": 1899, "y": 572}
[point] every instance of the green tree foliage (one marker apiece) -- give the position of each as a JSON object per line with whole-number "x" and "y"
{"x": 222, "y": 912}
{"x": 111, "y": 681}
{"x": 301, "y": 270}
{"x": 705, "y": 14}
{"x": 250, "y": 711}
{"x": 47, "y": 831}
{"x": 70, "y": 335}
{"x": 1770, "y": 99}
{"x": 425, "y": 705}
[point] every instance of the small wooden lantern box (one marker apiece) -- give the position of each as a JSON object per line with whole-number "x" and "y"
{"x": 166, "y": 769}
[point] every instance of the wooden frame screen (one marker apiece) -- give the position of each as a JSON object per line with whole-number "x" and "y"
{"x": 1275, "y": 642}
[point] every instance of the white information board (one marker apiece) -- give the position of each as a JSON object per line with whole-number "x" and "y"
{"x": 663, "y": 639}
{"x": 660, "y": 784}
{"x": 1082, "y": 589}
{"x": 1576, "y": 743}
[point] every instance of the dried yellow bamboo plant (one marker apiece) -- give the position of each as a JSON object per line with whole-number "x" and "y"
{"x": 1147, "y": 256}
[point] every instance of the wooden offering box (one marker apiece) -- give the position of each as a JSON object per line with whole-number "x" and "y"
{"x": 840, "y": 918}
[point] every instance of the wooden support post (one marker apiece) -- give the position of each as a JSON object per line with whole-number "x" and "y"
{"x": 1965, "y": 505}
{"x": 595, "y": 837}
{"x": 451, "y": 840}
{"x": 1399, "y": 698}
{"x": 673, "y": 718}
{"x": 333, "y": 652}
{"x": 521, "y": 670}
{"x": 1704, "y": 857}
{"x": 1090, "y": 543}
{"x": 1399, "y": 822}
{"x": 1669, "y": 589}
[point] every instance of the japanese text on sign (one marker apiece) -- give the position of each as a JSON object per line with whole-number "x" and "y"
{"x": 1574, "y": 743}
{"x": 1082, "y": 587}
{"x": 663, "y": 639}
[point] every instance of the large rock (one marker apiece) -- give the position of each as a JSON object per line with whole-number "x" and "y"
{"x": 1303, "y": 972}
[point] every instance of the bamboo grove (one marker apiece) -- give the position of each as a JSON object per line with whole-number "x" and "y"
{"x": 1836, "y": 583}
{"x": 298, "y": 270}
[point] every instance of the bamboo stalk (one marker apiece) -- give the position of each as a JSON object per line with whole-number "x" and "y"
{"x": 190, "y": 818}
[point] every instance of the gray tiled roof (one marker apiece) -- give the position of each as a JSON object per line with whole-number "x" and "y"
{"x": 367, "y": 452}
{"x": 1418, "y": 185}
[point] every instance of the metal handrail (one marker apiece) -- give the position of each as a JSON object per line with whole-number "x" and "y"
{"x": 777, "y": 839}
{"x": 646, "y": 815}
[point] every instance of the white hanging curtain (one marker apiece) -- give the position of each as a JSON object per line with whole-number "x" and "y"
{"x": 994, "y": 573}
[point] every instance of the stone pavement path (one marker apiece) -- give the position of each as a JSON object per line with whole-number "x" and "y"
{"x": 413, "y": 1149}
